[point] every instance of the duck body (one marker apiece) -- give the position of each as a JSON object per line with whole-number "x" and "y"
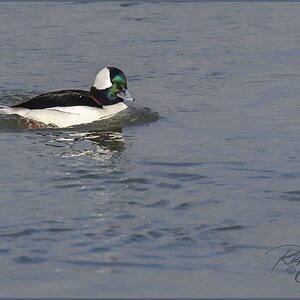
{"x": 67, "y": 108}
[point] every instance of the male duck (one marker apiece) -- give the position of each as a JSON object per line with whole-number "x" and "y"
{"x": 72, "y": 107}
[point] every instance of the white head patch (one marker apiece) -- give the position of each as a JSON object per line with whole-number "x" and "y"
{"x": 102, "y": 80}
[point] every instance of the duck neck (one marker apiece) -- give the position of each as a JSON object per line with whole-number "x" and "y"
{"x": 104, "y": 97}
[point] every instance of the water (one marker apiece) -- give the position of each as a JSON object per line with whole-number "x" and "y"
{"x": 182, "y": 194}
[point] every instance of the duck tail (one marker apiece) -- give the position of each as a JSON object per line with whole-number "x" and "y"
{"x": 4, "y": 109}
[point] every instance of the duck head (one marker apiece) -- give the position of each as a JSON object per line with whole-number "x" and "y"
{"x": 110, "y": 87}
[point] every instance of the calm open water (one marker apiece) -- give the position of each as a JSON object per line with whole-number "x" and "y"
{"x": 182, "y": 194}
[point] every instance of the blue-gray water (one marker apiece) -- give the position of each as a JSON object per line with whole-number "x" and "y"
{"x": 182, "y": 194}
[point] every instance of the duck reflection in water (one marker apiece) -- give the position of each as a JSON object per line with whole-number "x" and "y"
{"x": 108, "y": 144}
{"x": 111, "y": 141}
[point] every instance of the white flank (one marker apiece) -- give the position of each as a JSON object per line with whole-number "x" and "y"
{"x": 66, "y": 116}
{"x": 102, "y": 80}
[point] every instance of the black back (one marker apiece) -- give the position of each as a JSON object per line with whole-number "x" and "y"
{"x": 60, "y": 98}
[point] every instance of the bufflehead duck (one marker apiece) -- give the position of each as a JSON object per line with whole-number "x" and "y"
{"x": 73, "y": 107}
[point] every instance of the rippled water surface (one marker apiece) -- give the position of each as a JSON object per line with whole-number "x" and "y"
{"x": 180, "y": 195}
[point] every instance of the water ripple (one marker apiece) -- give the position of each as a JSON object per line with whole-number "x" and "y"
{"x": 25, "y": 259}
{"x": 20, "y": 233}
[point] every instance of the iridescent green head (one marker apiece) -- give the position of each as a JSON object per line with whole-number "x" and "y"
{"x": 110, "y": 87}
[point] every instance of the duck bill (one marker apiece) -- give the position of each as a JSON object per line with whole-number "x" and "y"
{"x": 125, "y": 95}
